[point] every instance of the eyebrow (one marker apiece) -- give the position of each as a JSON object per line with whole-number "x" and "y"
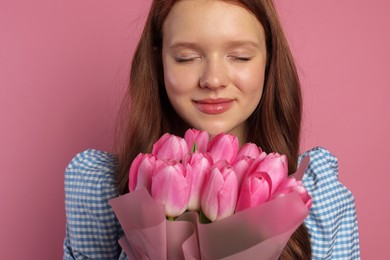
{"x": 190, "y": 45}
{"x": 229, "y": 44}
{"x": 242, "y": 43}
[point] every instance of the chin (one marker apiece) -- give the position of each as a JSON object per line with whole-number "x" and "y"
{"x": 215, "y": 130}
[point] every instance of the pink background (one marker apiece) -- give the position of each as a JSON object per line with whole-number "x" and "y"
{"x": 64, "y": 66}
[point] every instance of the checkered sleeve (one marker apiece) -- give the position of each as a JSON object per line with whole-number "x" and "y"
{"x": 92, "y": 230}
{"x": 332, "y": 221}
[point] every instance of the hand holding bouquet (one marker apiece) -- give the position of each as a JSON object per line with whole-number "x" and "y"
{"x": 244, "y": 192}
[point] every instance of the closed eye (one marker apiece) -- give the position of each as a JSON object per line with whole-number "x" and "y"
{"x": 234, "y": 58}
{"x": 182, "y": 60}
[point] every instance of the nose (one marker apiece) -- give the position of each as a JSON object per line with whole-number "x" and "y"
{"x": 214, "y": 75}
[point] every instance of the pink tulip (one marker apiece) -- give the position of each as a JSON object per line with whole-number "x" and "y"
{"x": 200, "y": 138}
{"x": 197, "y": 167}
{"x": 250, "y": 150}
{"x": 275, "y": 165}
{"x": 171, "y": 187}
{"x": 255, "y": 190}
{"x": 241, "y": 167}
{"x": 170, "y": 147}
{"x": 219, "y": 194}
{"x": 141, "y": 171}
{"x": 223, "y": 147}
{"x": 291, "y": 185}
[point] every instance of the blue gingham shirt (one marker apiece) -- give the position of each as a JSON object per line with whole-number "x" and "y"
{"x": 92, "y": 230}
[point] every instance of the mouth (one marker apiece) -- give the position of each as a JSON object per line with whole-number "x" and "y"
{"x": 213, "y": 106}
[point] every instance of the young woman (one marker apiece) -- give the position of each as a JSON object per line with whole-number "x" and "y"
{"x": 219, "y": 66}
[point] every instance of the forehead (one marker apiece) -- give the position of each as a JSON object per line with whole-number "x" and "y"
{"x": 194, "y": 19}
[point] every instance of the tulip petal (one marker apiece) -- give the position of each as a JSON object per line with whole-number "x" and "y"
{"x": 209, "y": 198}
{"x": 159, "y": 143}
{"x": 223, "y": 147}
{"x": 241, "y": 167}
{"x": 219, "y": 195}
{"x": 141, "y": 171}
{"x": 198, "y": 167}
{"x": 227, "y": 197}
{"x": 133, "y": 172}
{"x": 255, "y": 190}
{"x": 292, "y": 185}
{"x": 145, "y": 172}
{"x": 170, "y": 187}
{"x": 250, "y": 150}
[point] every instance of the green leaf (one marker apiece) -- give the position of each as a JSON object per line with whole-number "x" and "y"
{"x": 194, "y": 147}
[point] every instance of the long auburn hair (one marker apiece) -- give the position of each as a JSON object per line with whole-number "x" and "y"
{"x": 146, "y": 112}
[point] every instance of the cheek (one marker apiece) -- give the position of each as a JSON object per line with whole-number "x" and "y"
{"x": 177, "y": 81}
{"x": 251, "y": 82}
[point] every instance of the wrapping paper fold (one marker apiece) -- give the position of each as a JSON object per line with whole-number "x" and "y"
{"x": 260, "y": 232}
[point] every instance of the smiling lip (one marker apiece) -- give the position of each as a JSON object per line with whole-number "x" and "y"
{"x": 213, "y": 106}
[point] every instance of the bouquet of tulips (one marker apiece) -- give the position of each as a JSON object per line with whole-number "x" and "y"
{"x": 192, "y": 198}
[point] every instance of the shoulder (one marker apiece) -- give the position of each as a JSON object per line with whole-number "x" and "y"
{"x": 90, "y": 178}
{"x": 322, "y": 170}
{"x": 321, "y": 179}
{"x": 93, "y": 160}
{"x": 91, "y": 167}
{"x": 332, "y": 221}
{"x": 92, "y": 228}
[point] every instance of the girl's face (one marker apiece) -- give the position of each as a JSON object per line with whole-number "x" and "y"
{"x": 214, "y": 58}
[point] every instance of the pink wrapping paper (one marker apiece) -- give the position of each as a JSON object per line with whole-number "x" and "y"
{"x": 260, "y": 232}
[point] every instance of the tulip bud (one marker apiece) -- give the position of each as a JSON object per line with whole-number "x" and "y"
{"x": 241, "y": 167}
{"x": 291, "y": 185}
{"x": 219, "y": 195}
{"x": 200, "y": 138}
{"x": 255, "y": 190}
{"x": 223, "y": 147}
{"x": 171, "y": 188}
{"x": 141, "y": 171}
{"x": 275, "y": 165}
{"x": 170, "y": 147}
{"x": 198, "y": 167}
{"x": 250, "y": 150}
